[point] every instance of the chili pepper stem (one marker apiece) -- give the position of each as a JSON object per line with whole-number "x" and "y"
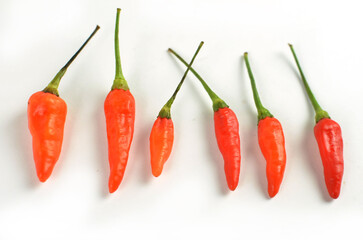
{"x": 165, "y": 111}
{"x": 319, "y": 112}
{"x": 262, "y": 111}
{"x": 53, "y": 85}
{"x": 120, "y": 81}
{"x": 217, "y": 102}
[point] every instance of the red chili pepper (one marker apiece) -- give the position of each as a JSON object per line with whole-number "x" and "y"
{"x": 162, "y": 133}
{"x": 46, "y": 117}
{"x": 271, "y": 140}
{"x": 329, "y": 138}
{"x": 227, "y": 132}
{"x": 120, "y": 117}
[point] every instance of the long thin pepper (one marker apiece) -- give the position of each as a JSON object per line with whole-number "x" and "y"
{"x": 226, "y": 128}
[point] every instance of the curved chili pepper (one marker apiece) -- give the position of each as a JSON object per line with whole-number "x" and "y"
{"x": 46, "y": 117}
{"x": 271, "y": 140}
{"x": 226, "y": 128}
{"x": 227, "y": 132}
{"x": 328, "y": 135}
{"x": 120, "y": 118}
{"x": 162, "y": 133}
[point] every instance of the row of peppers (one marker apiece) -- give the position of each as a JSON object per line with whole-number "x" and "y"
{"x": 47, "y": 115}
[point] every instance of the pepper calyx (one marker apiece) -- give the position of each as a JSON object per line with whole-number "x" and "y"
{"x": 120, "y": 83}
{"x": 263, "y": 113}
{"x": 51, "y": 90}
{"x": 165, "y": 112}
{"x": 218, "y": 104}
{"x": 321, "y": 114}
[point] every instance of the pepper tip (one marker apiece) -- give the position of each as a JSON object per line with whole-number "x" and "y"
{"x": 111, "y": 189}
{"x": 156, "y": 171}
{"x": 113, "y": 185}
{"x": 273, "y": 189}
{"x": 156, "y": 174}
{"x": 272, "y": 194}
{"x": 232, "y": 187}
{"x": 43, "y": 177}
{"x": 334, "y": 194}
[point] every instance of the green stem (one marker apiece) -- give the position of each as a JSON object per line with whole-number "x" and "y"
{"x": 319, "y": 112}
{"x": 217, "y": 102}
{"x": 262, "y": 111}
{"x": 53, "y": 85}
{"x": 165, "y": 111}
{"x": 119, "y": 82}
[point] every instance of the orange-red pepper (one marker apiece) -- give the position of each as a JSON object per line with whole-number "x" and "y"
{"x": 46, "y": 117}
{"x": 328, "y": 135}
{"x": 272, "y": 144}
{"x": 120, "y": 118}
{"x": 162, "y": 133}
{"x": 227, "y": 132}
{"x": 161, "y": 143}
{"x": 226, "y": 128}
{"x": 271, "y": 140}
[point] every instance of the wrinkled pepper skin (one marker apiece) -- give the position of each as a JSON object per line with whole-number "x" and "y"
{"x": 272, "y": 144}
{"x": 328, "y": 135}
{"x": 120, "y": 118}
{"x": 227, "y": 134}
{"x": 46, "y": 118}
{"x": 161, "y": 144}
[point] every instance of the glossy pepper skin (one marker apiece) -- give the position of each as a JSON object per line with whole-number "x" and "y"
{"x": 270, "y": 139}
{"x": 119, "y": 110}
{"x": 227, "y": 132}
{"x": 328, "y": 135}
{"x": 161, "y": 144}
{"x": 120, "y": 118}
{"x": 272, "y": 144}
{"x": 162, "y": 133}
{"x": 46, "y": 118}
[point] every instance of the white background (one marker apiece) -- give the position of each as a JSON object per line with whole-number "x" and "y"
{"x": 190, "y": 199}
